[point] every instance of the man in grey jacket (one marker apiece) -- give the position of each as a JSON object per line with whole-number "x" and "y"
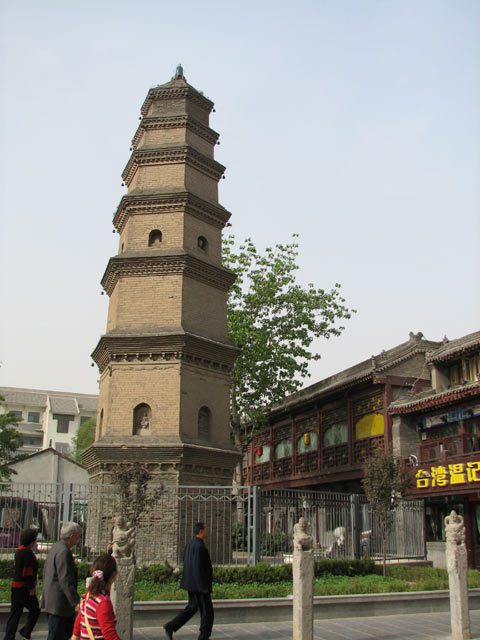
{"x": 60, "y": 598}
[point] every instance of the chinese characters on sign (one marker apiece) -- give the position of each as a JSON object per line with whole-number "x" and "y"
{"x": 452, "y": 474}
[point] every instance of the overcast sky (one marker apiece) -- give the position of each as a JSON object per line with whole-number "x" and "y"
{"x": 354, "y": 123}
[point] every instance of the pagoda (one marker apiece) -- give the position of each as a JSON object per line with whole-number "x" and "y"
{"x": 165, "y": 360}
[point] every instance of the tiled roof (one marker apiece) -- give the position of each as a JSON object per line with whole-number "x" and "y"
{"x": 362, "y": 371}
{"x": 64, "y": 405}
{"x": 23, "y": 397}
{"x": 451, "y": 349}
{"x": 87, "y": 404}
{"x": 430, "y": 399}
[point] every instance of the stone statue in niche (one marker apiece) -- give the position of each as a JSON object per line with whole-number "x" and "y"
{"x": 142, "y": 420}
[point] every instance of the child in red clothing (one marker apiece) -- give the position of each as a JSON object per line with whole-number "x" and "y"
{"x": 96, "y": 619}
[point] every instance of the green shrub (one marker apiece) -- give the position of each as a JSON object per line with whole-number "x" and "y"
{"x": 156, "y": 573}
{"x": 344, "y": 567}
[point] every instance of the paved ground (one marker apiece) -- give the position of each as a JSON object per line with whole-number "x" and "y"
{"x": 426, "y": 626}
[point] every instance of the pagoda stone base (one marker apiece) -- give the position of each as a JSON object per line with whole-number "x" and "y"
{"x": 184, "y": 470}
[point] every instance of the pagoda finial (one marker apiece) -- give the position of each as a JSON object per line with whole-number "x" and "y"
{"x": 179, "y": 73}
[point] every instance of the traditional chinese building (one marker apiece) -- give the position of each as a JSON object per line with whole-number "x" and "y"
{"x": 438, "y": 431}
{"x": 165, "y": 360}
{"x": 320, "y": 437}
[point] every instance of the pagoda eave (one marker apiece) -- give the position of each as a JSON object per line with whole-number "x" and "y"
{"x": 165, "y": 263}
{"x": 164, "y": 346}
{"x": 138, "y": 203}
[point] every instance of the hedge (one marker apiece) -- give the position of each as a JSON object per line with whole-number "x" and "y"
{"x": 262, "y": 572}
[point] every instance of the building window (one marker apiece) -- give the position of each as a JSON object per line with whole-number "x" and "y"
{"x": 202, "y": 243}
{"x": 18, "y": 415}
{"x": 262, "y": 453}
{"x": 471, "y": 372}
{"x": 84, "y": 419}
{"x": 307, "y": 442}
{"x": 454, "y": 376}
{"x": 62, "y": 422}
{"x": 34, "y": 416}
{"x": 204, "y": 418}
{"x": 370, "y": 425}
{"x": 36, "y": 442}
{"x": 283, "y": 449}
{"x": 336, "y": 433}
{"x": 155, "y": 238}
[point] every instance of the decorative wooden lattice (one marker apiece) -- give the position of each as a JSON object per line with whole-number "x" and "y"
{"x": 371, "y": 404}
{"x": 261, "y": 471}
{"x": 336, "y": 456}
{"x": 307, "y": 462}
{"x": 333, "y": 417}
{"x": 363, "y": 449}
{"x": 307, "y": 424}
{"x": 282, "y": 467}
{"x": 282, "y": 433}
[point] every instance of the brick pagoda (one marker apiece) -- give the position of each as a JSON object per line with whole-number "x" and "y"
{"x": 165, "y": 360}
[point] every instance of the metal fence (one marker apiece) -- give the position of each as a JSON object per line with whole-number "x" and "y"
{"x": 246, "y": 524}
{"x": 343, "y": 525}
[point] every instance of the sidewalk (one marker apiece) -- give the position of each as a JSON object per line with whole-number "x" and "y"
{"x": 425, "y": 626}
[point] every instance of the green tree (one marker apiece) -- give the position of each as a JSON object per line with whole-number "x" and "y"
{"x": 274, "y": 320}
{"x": 385, "y": 484}
{"x": 84, "y": 438}
{"x": 10, "y": 441}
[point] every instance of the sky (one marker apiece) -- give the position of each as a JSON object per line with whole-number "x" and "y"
{"x": 354, "y": 123}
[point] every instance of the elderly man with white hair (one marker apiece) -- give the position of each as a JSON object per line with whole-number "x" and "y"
{"x": 60, "y": 597}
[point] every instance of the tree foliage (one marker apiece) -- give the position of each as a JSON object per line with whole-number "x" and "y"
{"x": 84, "y": 438}
{"x": 274, "y": 320}
{"x": 385, "y": 484}
{"x": 10, "y": 441}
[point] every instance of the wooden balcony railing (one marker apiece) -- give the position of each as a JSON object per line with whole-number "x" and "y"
{"x": 449, "y": 447}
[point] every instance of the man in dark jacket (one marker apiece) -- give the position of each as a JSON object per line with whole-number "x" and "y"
{"x": 60, "y": 597}
{"x": 197, "y": 580}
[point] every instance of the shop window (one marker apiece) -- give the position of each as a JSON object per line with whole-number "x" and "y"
{"x": 283, "y": 449}
{"x": 204, "y": 419}
{"x": 155, "y": 238}
{"x": 370, "y": 425}
{"x": 34, "y": 416}
{"x": 307, "y": 442}
{"x": 62, "y": 422}
{"x": 262, "y": 453}
{"x": 335, "y": 434}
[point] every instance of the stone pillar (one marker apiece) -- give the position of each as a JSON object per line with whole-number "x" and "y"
{"x": 302, "y": 582}
{"x": 456, "y": 556}
{"x": 123, "y": 588}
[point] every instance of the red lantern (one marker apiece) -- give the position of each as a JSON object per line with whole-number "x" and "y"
{"x": 259, "y": 451}
{"x": 306, "y": 439}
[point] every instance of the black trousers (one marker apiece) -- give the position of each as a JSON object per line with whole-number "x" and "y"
{"x": 21, "y": 600}
{"x": 196, "y": 601}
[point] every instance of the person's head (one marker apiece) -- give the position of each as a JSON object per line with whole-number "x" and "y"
{"x": 200, "y": 529}
{"x": 104, "y": 574}
{"x": 28, "y": 537}
{"x": 70, "y": 533}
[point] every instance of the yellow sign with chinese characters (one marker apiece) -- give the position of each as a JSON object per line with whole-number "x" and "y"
{"x": 448, "y": 475}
